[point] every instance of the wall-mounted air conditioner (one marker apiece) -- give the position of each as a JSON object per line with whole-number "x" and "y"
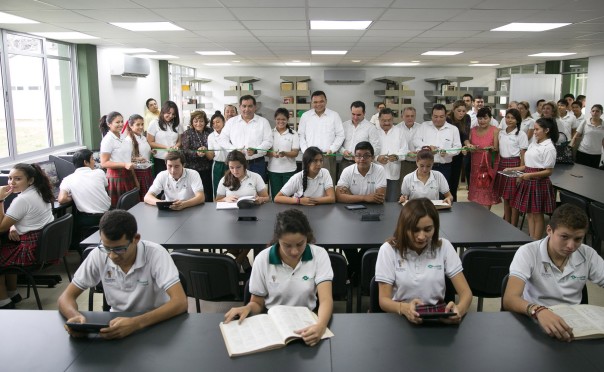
{"x": 344, "y": 76}
{"x": 129, "y": 66}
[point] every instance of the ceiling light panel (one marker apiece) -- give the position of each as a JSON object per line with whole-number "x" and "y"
{"x": 339, "y": 25}
{"x": 441, "y": 53}
{"x": 530, "y": 27}
{"x": 148, "y": 26}
{"x": 6, "y": 18}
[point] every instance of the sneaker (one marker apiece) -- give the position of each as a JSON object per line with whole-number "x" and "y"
{"x": 8, "y": 306}
{"x": 16, "y": 298}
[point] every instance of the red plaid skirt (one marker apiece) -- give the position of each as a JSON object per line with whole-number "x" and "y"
{"x": 505, "y": 187}
{"x": 535, "y": 195}
{"x": 145, "y": 180}
{"x": 120, "y": 182}
{"x": 23, "y": 252}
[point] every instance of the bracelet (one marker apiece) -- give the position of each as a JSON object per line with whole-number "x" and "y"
{"x": 528, "y": 309}
{"x": 298, "y": 200}
{"x": 537, "y": 311}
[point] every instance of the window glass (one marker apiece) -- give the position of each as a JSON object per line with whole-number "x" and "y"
{"x": 61, "y": 101}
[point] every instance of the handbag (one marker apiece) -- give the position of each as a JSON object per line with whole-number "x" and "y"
{"x": 484, "y": 173}
{"x": 564, "y": 154}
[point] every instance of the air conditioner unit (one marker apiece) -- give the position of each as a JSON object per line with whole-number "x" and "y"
{"x": 129, "y": 66}
{"x": 344, "y": 76}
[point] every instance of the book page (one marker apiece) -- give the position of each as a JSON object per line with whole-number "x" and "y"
{"x": 233, "y": 205}
{"x": 292, "y": 318}
{"x": 585, "y": 320}
{"x": 255, "y": 333}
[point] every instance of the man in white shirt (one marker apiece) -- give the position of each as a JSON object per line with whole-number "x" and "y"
{"x": 581, "y": 99}
{"x": 538, "y": 107}
{"x": 375, "y": 119}
{"x": 443, "y": 139}
{"x": 180, "y": 185}
{"x": 567, "y": 117}
{"x": 322, "y": 127}
{"x": 394, "y": 149}
{"x": 249, "y": 133}
{"x": 357, "y": 130}
{"x": 409, "y": 127}
{"x": 576, "y": 108}
{"x": 137, "y": 276}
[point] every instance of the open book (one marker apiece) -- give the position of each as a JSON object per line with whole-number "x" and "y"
{"x": 439, "y": 204}
{"x": 233, "y": 205}
{"x": 267, "y": 331}
{"x": 587, "y": 321}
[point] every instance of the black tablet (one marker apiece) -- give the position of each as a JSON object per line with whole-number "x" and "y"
{"x": 436, "y": 315}
{"x": 164, "y": 205}
{"x": 355, "y": 207}
{"x": 87, "y": 327}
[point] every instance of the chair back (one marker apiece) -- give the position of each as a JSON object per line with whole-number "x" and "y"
{"x": 485, "y": 268}
{"x": 574, "y": 199}
{"x": 247, "y": 296}
{"x": 596, "y": 212}
{"x": 55, "y": 239}
{"x": 367, "y": 272}
{"x": 374, "y": 297}
{"x": 208, "y": 276}
{"x": 341, "y": 289}
{"x": 128, "y": 199}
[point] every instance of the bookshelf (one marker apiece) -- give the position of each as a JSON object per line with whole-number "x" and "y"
{"x": 192, "y": 93}
{"x": 447, "y": 90}
{"x": 244, "y": 86}
{"x": 396, "y": 96}
{"x": 295, "y": 97}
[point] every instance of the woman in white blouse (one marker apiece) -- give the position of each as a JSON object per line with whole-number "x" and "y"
{"x": 425, "y": 182}
{"x": 141, "y": 154}
{"x": 282, "y": 158}
{"x": 590, "y": 135}
{"x": 240, "y": 182}
{"x": 164, "y": 134}
{"x": 528, "y": 123}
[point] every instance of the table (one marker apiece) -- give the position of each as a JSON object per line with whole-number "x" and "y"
{"x": 36, "y": 341}
{"x": 466, "y": 224}
{"x": 579, "y": 179}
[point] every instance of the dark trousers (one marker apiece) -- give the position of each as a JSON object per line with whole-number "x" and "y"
{"x": 456, "y": 166}
{"x": 208, "y": 187}
{"x": 589, "y": 160}
{"x": 258, "y": 165}
{"x": 445, "y": 169}
{"x": 159, "y": 165}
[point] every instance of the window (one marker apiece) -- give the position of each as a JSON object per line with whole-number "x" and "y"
{"x": 39, "y": 112}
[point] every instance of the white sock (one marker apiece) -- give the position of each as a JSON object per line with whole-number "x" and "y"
{"x": 12, "y": 294}
{"x": 4, "y": 302}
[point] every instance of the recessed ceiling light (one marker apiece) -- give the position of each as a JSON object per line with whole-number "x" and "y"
{"x": 131, "y": 50}
{"x": 9, "y": 18}
{"x": 216, "y": 53}
{"x": 148, "y": 26}
{"x": 404, "y": 64}
{"x": 440, "y": 53}
{"x": 355, "y": 61}
{"x": 217, "y": 64}
{"x": 235, "y": 61}
{"x": 156, "y": 56}
{"x": 484, "y": 64}
{"x": 548, "y": 54}
{"x": 297, "y": 63}
{"x": 329, "y": 52}
{"x": 64, "y": 35}
{"x": 416, "y": 61}
{"x": 339, "y": 25}
{"x": 474, "y": 61}
{"x": 530, "y": 27}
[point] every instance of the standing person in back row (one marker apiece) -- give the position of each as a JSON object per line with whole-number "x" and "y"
{"x": 249, "y": 133}
{"x": 357, "y": 130}
{"x": 322, "y": 127}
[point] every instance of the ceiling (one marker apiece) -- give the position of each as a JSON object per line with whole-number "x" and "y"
{"x": 273, "y": 32}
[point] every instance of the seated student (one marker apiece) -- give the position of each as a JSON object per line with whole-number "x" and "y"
{"x": 312, "y": 186}
{"x": 364, "y": 181}
{"x": 280, "y": 271}
{"x": 553, "y": 271}
{"x": 179, "y": 184}
{"x": 412, "y": 265}
{"x": 425, "y": 182}
{"x": 22, "y": 223}
{"x": 86, "y": 187}
{"x": 241, "y": 182}
{"x": 123, "y": 262}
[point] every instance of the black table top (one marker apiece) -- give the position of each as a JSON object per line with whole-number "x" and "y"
{"x": 579, "y": 179}
{"x": 466, "y": 224}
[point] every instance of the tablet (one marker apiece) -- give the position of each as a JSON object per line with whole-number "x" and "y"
{"x": 164, "y": 205}
{"x": 87, "y": 327}
{"x": 436, "y": 315}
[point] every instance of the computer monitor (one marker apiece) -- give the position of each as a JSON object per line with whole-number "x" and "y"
{"x": 50, "y": 169}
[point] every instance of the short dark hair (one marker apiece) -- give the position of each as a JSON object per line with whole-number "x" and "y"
{"x": 148, "y": 101}
{"x": 292, "y": 221}
{"x": 484, "y": 112}
{"x": 358, "y": 104}
{"x": 247, "y": 97}
{"x": 581, "y": 98}
{"x": 468, "y": 95}
{"x": 385, "y": 111}
{"x": 478, "y": 96}
{"x": 364, "y": 145}
{"x": 569, "y": 215}
{"x": 563, "y": 102}
{"x": 439, "y": 107}
{"x": 317, "y": 93}
{"x": 567, "y": 95}
{"x": 175, "y": 155}
{"x": 81, "y": 156}
{"x": 118, "y": 223}
{"x": 539, "y": 101}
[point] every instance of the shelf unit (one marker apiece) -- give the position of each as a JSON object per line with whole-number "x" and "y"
{"x": 239, "y": 91}
{"x": 192, "y": 93}
{"x": 396, "y": 92}
{"x": 297, "y": 95}
{"x": 448, "y": 90}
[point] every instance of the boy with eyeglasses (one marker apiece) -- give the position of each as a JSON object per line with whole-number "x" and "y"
{"x": 137, "y": 276}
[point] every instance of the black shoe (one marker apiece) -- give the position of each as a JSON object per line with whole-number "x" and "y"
{"x": 9, "y": 306}
{"x": 16, "y": 298}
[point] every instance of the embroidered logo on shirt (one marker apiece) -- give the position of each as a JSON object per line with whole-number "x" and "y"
{"x": 143, "y": 282}
{"x": 305, "y": 277}
{"x": 582, "y": 278}
{"x": 109, "y": 277}
{"x": 436, "y": 267}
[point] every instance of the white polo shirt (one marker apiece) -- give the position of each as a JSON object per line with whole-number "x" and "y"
{"x": 142, "y": 289}
{"x": 251, "y": 185}
{"x": 285, "y": 141}
{"x": 414, "y": 188}
{"x": 279, "y": 284}
{"x": 359, "y": 185}
{"x": 239, "y": 134}
{"x": 87, "y": 188}
{"x": 393, "y": 143}
{"x": 144, "y": 149}
{"x": 325, "y": 131}
{"x": 527, "y": 124}
{"x": 510, "y": 144}
{"x": 119, "y": 149}
{"x": 315, "y": 187}
{"x": 564, "y": 127}
{"x": 540, "y": 155}
{"x": 417, "y": 276}
{"x": 167, "y": 137}
{"x": 30, "y": 211}
{"x": 214, "y": 145}
{"x": 182, "y": 189}
{"x": 545, "y": 284}
{"x": 364, "y": 131}
{"x": 445, "y": 137}
{"x": 579, "y": 120}
{"x": 591, "y": 140}
{"x": 570, "y": 120}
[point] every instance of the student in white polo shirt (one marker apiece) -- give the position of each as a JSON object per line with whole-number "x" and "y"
{"x": 293, "y": 272}
{"x": 553, "y": 271}
{"x": 363, "y": 182}
{"x": 412, "y": 265}
{"x": 282, "y": 158}
{"x": 425, "y": 182}
{"x": 181, "y": 185}
{"x": 239, "y": 181}
{"x": 590, "y": 136}
{"x": 312, "y": 186}
{"x": 137, "y": 275}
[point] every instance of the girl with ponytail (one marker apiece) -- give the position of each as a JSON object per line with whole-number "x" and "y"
{"x": 286, "y": 147}
{"x": 141, "y": 154}
{"x": 216, "y": 152}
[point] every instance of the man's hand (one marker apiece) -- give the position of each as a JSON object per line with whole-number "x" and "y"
{"x": 76, "y": 319}
{"x": 120, "y": 328}
{"x": 178, "y": 205}
{"x": 555, "y": 326}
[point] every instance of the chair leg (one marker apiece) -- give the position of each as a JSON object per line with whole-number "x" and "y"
{"x": 359, "y": 298}
{"x": 522, "y": 222}
{"x": 66, "y": 268}
{"x": 349, "y": 300}
{"x": 197, "y": 305}
{"x": 90, "y": 299}
{"x": 32, "y": 283}
{"x": 479, "y": 307}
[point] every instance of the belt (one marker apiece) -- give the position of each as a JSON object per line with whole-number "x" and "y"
{"x": 92, "y": 214}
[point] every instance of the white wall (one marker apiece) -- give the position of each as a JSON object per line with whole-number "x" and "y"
{"x": 125, "y": 95}
{"x": 595, "y": 77}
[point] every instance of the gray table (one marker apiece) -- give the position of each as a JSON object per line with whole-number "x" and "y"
{"x": 579, "y": 179}
{"x": 466, "y": 224}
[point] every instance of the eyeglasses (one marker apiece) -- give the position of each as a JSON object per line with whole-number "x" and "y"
{"x": 117, "y": 250}
{"x": 364, "y": 156}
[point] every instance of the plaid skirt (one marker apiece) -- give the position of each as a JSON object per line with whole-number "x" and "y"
{"x": 505, "y": 187}
{"x": 21, "y": 253}
{"x": 535, "y": 195}
{"x": 120, "y": 182}
{"x": 145, "y": 180}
